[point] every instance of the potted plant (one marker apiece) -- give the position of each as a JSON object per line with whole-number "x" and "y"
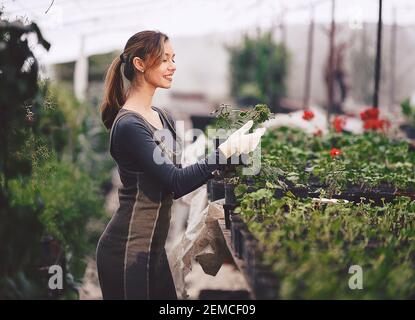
{"x": 409, "y": 111}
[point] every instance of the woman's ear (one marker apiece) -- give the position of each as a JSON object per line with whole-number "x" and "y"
{"x": 138, "y": 64}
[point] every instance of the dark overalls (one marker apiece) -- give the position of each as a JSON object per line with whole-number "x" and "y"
{"x": 131, "y": 259}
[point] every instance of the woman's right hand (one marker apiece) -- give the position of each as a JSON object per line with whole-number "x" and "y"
{"x": 240, "y": 141}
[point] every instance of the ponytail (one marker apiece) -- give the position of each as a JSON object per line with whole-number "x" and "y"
{"x": 149, "y": 45}
{"x": 114, "y": 95}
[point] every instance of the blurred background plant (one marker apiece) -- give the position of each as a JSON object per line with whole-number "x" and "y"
{"x": 259, "y": 68}
{"x": 362, "y": 69}
{"x": 408, "y": 110}
{"x": 53, "y": 175}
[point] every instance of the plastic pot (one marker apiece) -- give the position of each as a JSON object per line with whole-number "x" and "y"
{"x": 217, "y": 190}
{"x": 236, "y": 226}
{"x": 209, "y": 189}
{"x": 265, "y": 284}
{"x": 230, "y": 198}
{"x": 228, "y": 210}
{"x": 409, "y": 130}
{"x": 201, "y": 122}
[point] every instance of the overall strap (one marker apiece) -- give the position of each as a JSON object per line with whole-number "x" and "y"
{"x": 175, "y": 155}
{"x": 169, "y": 121}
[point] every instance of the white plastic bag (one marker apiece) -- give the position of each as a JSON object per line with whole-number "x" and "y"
{"x": 202, "y": 242}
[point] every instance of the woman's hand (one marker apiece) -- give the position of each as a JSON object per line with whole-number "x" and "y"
{"x": 240, "y": 142}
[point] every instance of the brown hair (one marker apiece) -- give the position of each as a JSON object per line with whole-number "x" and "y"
{"x": 149, "y": 46}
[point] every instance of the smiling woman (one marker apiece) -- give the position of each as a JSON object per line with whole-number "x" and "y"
{"x": 131, "y": 259}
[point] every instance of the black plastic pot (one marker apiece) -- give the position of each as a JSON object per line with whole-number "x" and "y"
{"x": 300, "y": 192}
{"x": 406, "y": 193}
{"x": 409, "y": 130}
{"x": 201, "y": 122}
{"x": 265, "y": 284}
{"x": 230, "y": 198}
{"x": 355, "y": 194}
{"x": 249, "y": 257}
{"x": 250, "y": 245}
{"x": 228, "y": 210}
{"x": 245, "y": 246}
{"x": 236, "y": 225}
{"x": 217, "y": 190}
{"x": 209, "y": 189}
{"x": 279, "y": 193}
{"x": 314, "y": 182}
{"x": 245, "y": 236}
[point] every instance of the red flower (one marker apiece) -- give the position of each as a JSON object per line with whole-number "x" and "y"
{"x": 338, "y": 124}
{"x": 318, "y": 133}
{"x": 363, "y": 116}
{"x": 376, "y": 124}
{"x": 372, "y": 124}
{"x": 371, "y": 113}
{"x": 308, "y": 115}
{"x": 335, "y": 152}
{"x": 371, "y": 120}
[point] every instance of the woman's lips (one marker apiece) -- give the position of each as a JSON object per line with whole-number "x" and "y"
{"x": 170, "y": 78}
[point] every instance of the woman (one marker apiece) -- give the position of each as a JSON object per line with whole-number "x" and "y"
{"x": 131, "y": 259}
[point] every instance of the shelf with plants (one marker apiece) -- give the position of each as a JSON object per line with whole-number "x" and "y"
{"x": 296, "y": 245}
{"x": 303, "y": 248}
{"x": 366, "y": 164}
{"x": 338, "y": 165}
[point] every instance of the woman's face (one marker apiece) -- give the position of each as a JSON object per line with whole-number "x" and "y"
{"x": 162, "y": 76}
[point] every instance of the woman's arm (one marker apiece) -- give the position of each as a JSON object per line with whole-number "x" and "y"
{"x": 136, "y": 142}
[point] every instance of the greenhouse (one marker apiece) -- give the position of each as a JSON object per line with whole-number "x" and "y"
{"x": 277, "y": 162}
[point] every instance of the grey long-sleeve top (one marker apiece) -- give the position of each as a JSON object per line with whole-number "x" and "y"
{"x": 133, "y": 146}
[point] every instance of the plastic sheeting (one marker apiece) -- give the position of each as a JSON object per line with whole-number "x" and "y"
{"x": 107, "y": 24}
{"x": 202, "y": 242}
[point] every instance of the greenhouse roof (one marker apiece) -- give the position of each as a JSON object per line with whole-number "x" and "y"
{"x": 98, "y": 26}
